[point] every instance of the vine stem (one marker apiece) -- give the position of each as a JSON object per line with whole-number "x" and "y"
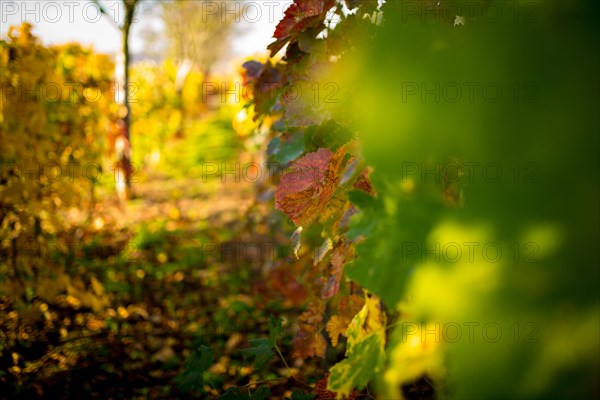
{"x": 284, "y": 362}
{"x": 211, "y": 384}
{"x": 265, "y": 381}
{"x": 289, "y": 370}
{"x": 390, "y": 326}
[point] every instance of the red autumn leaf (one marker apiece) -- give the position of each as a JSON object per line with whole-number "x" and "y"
{"x": 309, "y": 342}
{"x": 305, "y": 172}
{"x": 324, "y": 394}
{"x": 307, "y": 188}
{"x": 299, "y": 16}
{"x": 284, "y": 281}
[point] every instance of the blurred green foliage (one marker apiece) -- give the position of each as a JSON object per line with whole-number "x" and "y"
{"x": 511, "y": 104}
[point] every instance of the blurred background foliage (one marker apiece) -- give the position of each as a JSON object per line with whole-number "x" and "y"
{"x": 123, "y": 293}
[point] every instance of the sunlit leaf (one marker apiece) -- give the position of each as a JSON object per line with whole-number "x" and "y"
{"x": 299, "y": 16}
{"x": 309, "y": 185}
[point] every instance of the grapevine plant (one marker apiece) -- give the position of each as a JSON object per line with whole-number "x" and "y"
{"x": 376, "y": 161}
{"x": 322, "y": 182}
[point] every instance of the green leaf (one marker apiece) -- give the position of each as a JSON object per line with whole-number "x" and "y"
{"x": 301, "y": 396}
{"x": 365, "y": 350}
{"x": 279, "y": 126}
{"x": 275, "y": 329}
{"x": 261, "y": 349}
{"x": 307, "y": 39}
{"x": 262, "y": 393}
{"x": 362, "y": 223}
{"x": 197, "y": 363}
{"x": 539, "y": 133}
{"x": 286, "y": 148}
{"x": 329, "y": 134}
{"x": 395, "y": 230}
{"x": 362, "y": 200}
{"x": 363, "y": 364}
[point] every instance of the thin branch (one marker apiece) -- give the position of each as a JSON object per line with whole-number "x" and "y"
{"x": 265, "y": 381}
{"x": 289, "y": 370}
{"x": 106, "y": 14}
{"x": 283, "y": 359}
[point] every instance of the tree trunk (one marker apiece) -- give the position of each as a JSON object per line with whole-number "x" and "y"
{"x": 125, "y": 161}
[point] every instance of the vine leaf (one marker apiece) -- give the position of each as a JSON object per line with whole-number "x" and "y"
{"x": 349, "y": 307}
{"x": 335, "y": 328}
{"x": 285, "y": 281}
{"x": 285, "y": 148}
{"x": 324, "y": 394}
{"x": 365, "y": 350}
{"x": 305, "y": 172}
{"x": 275, "y": 330}
{"x": 298, "y": 17}
{"x": 382, "y": 226}
{"x": 356, "y": 371}
{"x": 196, "y": 364}
{"x": 309, "y": 342}
{"x": 262, "y": 348}
{"x": 253, "y": 69}
{"x": 265, "y": 81}
{"x": 370, "y": 319}
{"x": 306, "y": 189}
{"x": 412, "y": 353}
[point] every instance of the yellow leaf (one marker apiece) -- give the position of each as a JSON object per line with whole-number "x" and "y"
{"x": 334, "y": 329}
{"x": 73, "y": 301}
{"x": 123, "y": 313}
{"x": 95, "y": 324}
{"x": 162, "y": 257}
{"x": 97, "y": 286}
{"x": 365, "y": 350}
{"x": 414, "y": 352}
{"x": 369, "y": 319}
{"x": 174, "y": 213}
